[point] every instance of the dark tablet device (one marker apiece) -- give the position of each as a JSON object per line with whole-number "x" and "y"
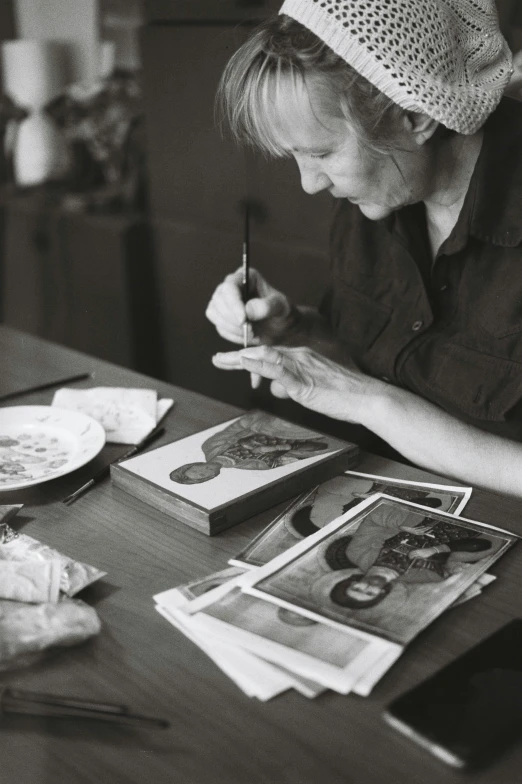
{"x": 469, "y": 711}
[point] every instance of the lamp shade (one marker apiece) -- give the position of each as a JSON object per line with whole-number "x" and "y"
{"x": 34, "y": 72}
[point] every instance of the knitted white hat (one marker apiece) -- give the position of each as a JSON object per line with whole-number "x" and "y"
{"x": 446, "y": 58}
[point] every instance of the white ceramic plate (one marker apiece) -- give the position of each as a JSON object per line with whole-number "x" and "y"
{"x": 38, "y": 443}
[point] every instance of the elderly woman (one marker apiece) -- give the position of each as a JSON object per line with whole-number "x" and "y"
{"x": 395, "y": 107}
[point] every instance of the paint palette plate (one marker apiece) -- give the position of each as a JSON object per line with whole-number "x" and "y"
{"x": 39, "y": 443}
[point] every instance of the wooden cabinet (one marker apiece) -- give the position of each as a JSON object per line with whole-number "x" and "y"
{"x": 85, "y": 281}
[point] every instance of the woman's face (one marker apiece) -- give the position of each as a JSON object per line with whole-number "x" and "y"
{"x": 367, "y": 588}
{"x": 330, "y": 157}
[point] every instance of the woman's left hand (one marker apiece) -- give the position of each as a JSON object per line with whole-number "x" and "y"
{"x": 341, "y": 392}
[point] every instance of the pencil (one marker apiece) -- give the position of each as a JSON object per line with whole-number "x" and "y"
{"x": 41, "y": 387}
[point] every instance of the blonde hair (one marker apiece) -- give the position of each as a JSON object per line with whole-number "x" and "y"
{"x": 283, "y": 52}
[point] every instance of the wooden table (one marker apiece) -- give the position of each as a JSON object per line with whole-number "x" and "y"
{"x": 217, "y": 736}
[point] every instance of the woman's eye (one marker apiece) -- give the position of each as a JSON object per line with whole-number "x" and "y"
{"x": 319, "y": 155}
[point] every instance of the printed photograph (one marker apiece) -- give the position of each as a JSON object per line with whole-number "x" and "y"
{"x": 288, "y": 628}
{"x": 318, "y": 507}
{"x": 205, "y": 584}
{"x": 388, "y": 569}
{"x": 336, "y": 658}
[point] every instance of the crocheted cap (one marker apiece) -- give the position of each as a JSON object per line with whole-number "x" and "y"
{"x": 446, "y": 58}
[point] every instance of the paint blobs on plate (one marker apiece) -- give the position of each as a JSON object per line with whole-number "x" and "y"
{"x": 28, "y": 455}
{"x": 39, "y": 443}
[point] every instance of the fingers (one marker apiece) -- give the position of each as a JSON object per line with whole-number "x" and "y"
{"x": 284, "y": 382}
{"x": 269, "y": 358}
{"x": 305, "y": 376}
{"x": 282, "y": 366}
{"x": 267, "y": 312}
{"x": 268, "y": 367}
{"x": 278, "y": 390}
{"x": 276, "y": 364}
{"x": 231, "y": 360}
{"x": 275, "y": 305}
{"x": 257, "y": 309}
{"x": 236, "y": 335}
{"x": 226, "y": 304}
{"x": 228, "y": 296}
{"x": 258, "y": 285}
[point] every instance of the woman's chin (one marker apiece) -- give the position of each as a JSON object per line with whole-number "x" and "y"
{"x": 374, "y": 211}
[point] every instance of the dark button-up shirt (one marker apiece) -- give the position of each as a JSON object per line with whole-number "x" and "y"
{"x": 449, "y": 330}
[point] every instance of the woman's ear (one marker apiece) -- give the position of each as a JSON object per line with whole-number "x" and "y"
{"x": 420, "y": 126}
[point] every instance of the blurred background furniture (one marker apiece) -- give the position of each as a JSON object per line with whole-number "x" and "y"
{"x": 76, "y": 250}
{"x": 82, "y": 279}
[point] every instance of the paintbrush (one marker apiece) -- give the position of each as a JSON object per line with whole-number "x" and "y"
{"x": 245, "y": 286}
{"x": 105, "y": 471}
{"x": 61, "y": 707}
{"x": 42, "y": 387}
{"x": 245, "y": 267}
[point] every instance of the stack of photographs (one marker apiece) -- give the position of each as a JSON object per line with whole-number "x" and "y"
{"x": 331, "y": 593}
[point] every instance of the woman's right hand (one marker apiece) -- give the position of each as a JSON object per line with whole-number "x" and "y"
{"x": 268, "y": 311}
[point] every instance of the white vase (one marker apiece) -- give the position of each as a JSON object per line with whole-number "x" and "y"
{"x": 40, "y": 151}
{"x": 34, "y": 73}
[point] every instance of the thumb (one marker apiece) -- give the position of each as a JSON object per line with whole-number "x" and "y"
{"x": 278, "y": 390}
{"x": 273, "y": 306}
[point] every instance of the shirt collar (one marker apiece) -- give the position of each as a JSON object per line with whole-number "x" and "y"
{"x": 491, "y": 209}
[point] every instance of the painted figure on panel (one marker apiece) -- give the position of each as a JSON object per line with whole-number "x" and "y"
{"x": 254, "y": 442}
{"x": 389, "y": 547}
{"x": 336, "y": 496}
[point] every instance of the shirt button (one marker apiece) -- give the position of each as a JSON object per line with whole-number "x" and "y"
{"x": 416, "y": 326}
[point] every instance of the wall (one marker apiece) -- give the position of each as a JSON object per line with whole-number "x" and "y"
{"x": 72, "y": 20}
{"x": 119, "y": 23}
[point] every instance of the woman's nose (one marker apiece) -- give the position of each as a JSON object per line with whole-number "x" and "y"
{"x": 313, "y": 179}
